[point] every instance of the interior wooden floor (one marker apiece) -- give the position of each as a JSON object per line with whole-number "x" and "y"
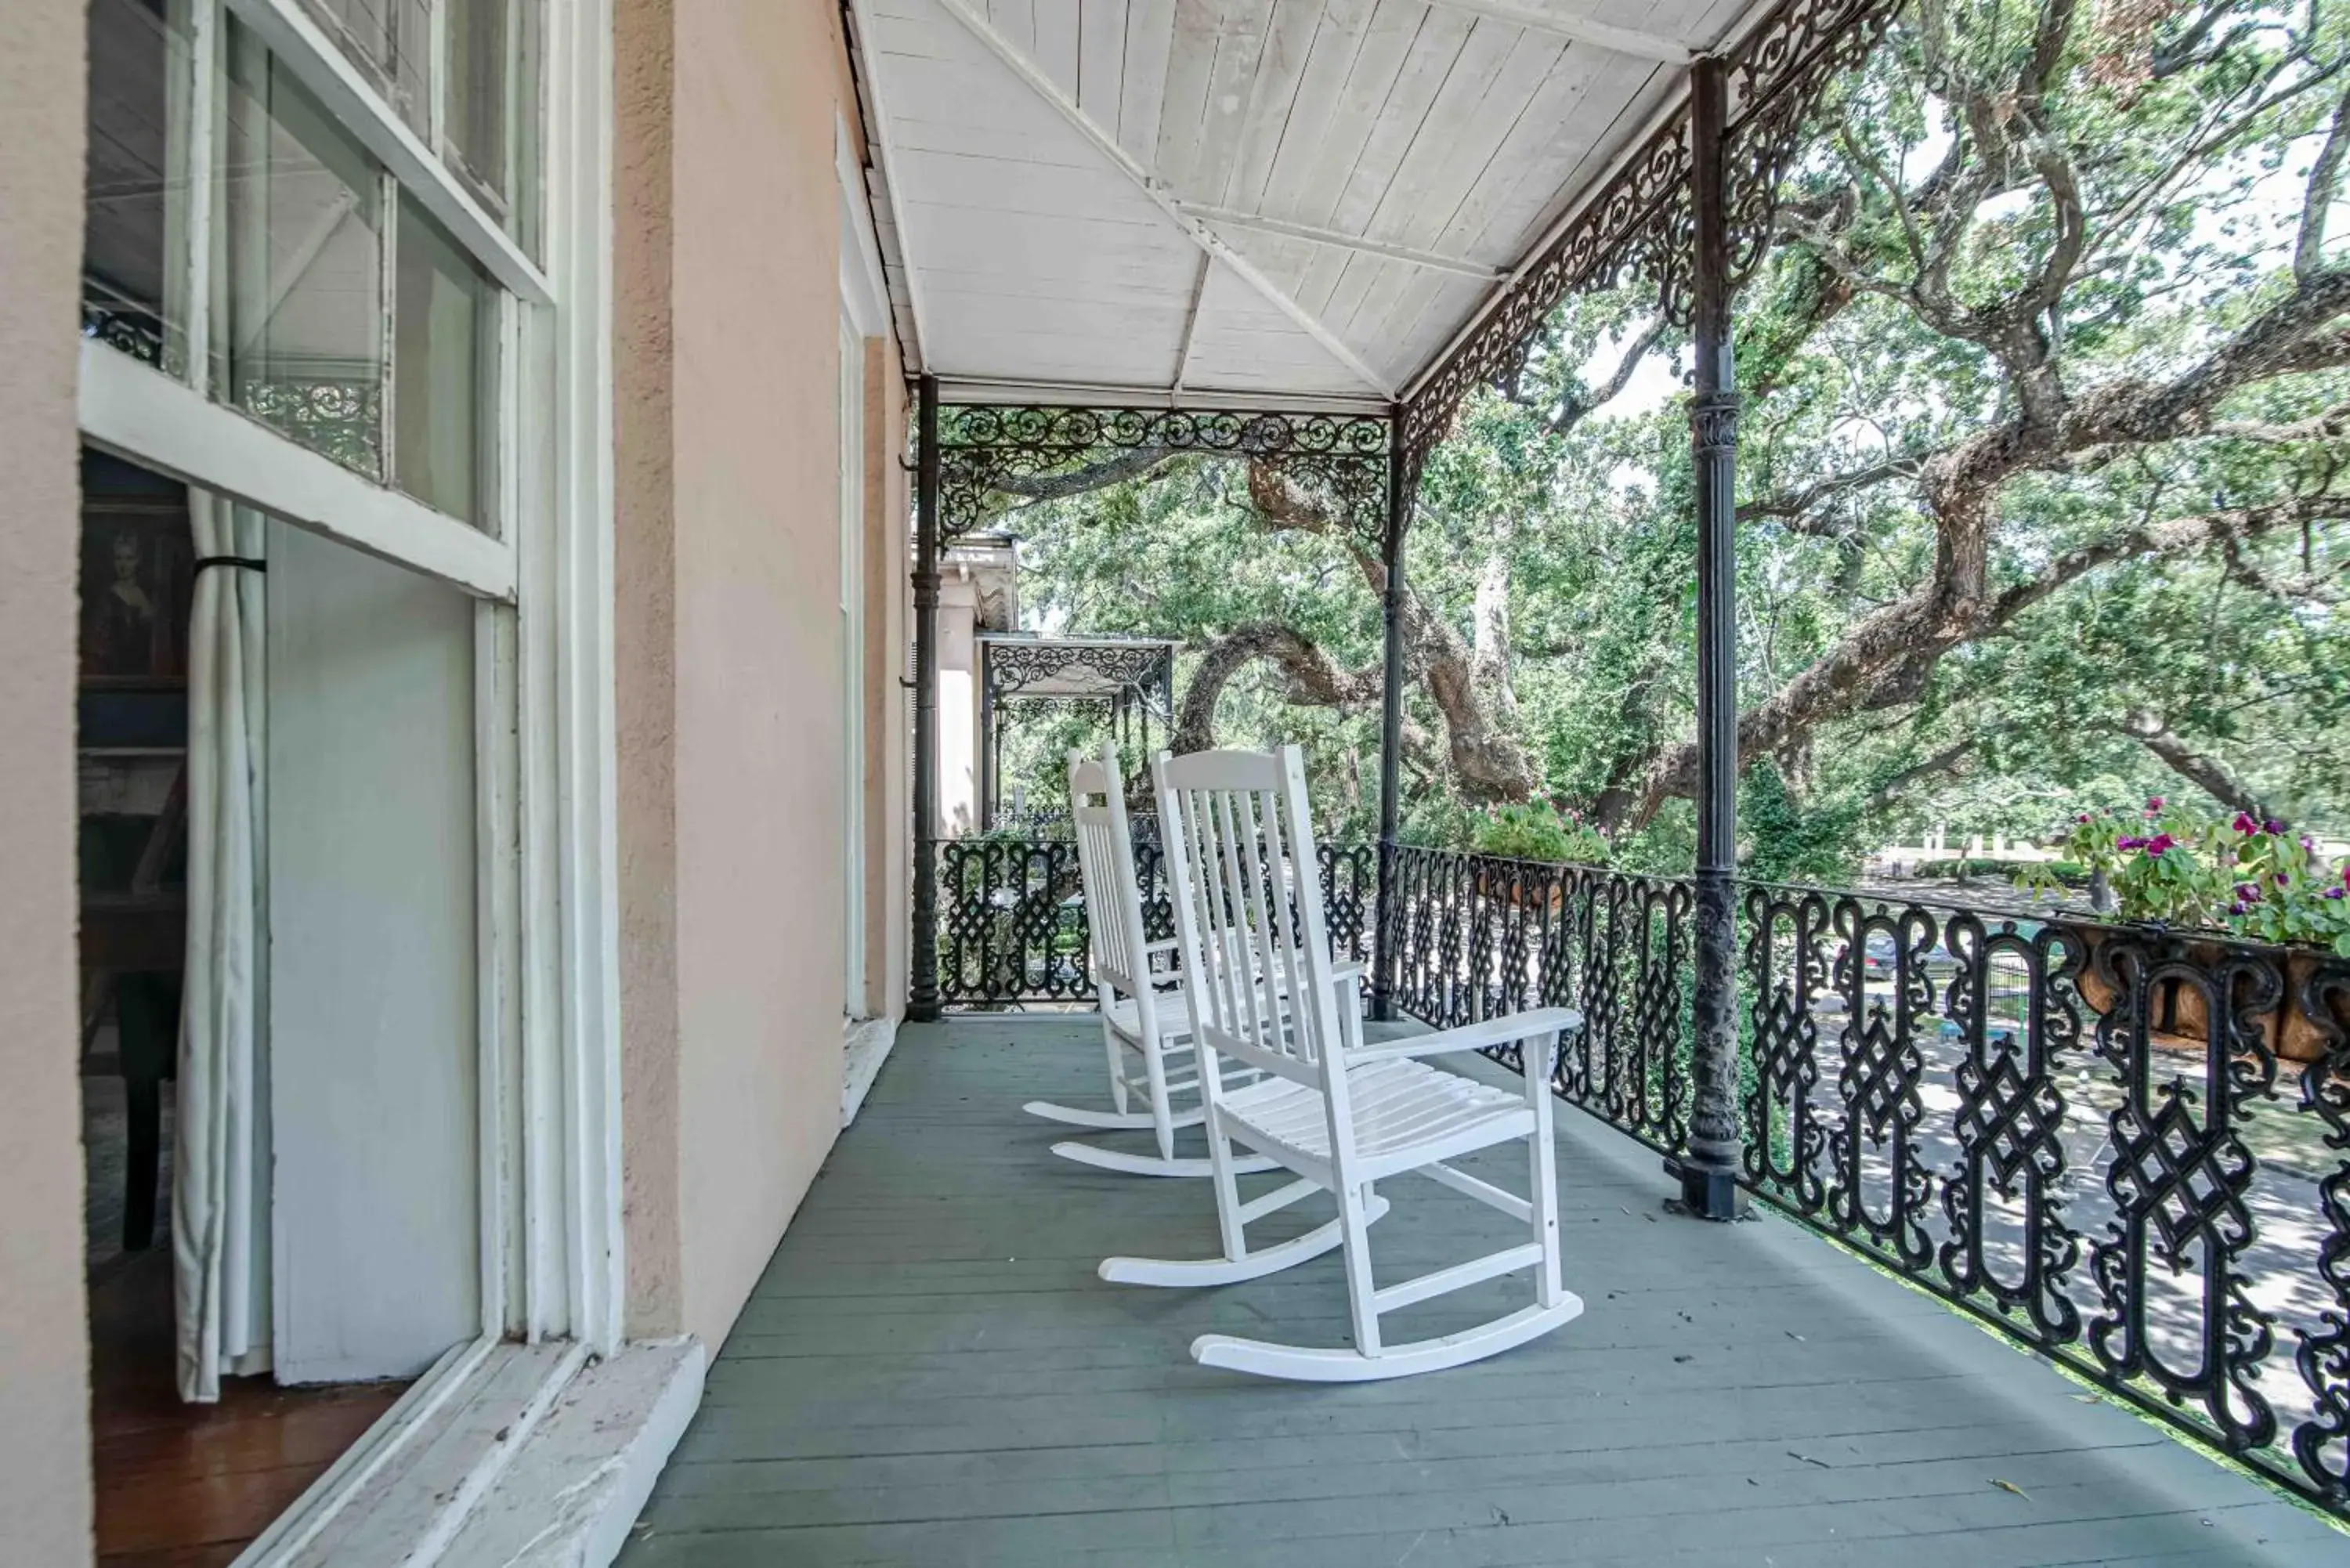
{"x": 189, "y": 1486}
{"x": 931, "y": 1373}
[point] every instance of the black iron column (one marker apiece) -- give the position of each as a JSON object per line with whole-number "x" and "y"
{"x": 1708, "y": 1173}
{"x": 1383, "y": 959}
{"x": 923, "y": 992}
{"x": 986, "y": 769}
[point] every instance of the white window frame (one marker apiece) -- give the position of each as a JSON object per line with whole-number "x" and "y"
{"x": 864, "y": 317}
{"x": 852, "y": 662}
{"x": 552, "y": 1264}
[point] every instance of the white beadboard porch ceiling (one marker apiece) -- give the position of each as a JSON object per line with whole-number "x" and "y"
{"x": 1301, "y": 201}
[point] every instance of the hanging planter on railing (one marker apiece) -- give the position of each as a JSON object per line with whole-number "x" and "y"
{"x": 2182, "y": 873}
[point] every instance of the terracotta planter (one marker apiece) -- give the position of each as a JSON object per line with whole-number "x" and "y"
{"x": 1500, "y": 888}
{"x": 2180, "y": 1016}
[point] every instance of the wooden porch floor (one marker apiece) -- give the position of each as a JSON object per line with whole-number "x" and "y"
{"x": 931, "y": 1373}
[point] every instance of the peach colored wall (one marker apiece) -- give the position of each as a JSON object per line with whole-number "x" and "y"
{"x": 645, "y": 657}
{"x": 45, "y": 1501}
{"x": 727, "y": 312}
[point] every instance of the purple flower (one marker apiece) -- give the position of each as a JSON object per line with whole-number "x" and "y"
{"x": 2247, "y": 893}
{"x": 2083, "y": 817}
{"x": 2158, "y": 843}
{"x": 2243, "y": 823}
{"x": 2281, "y": 879}
{"x": 2153, "y": 804}
{"x": 2236, "y": 909}
{"x": 2334, "y": 892}
{"x": 2274, "y": 827}
{"x": 2129, "y": 841}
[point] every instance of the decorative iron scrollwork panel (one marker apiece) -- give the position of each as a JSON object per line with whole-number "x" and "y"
{"x": 2079, "y": 1132}
{"x": 1778, "y": 78}
{"x": 1012, "y": 915}
{"x": 985, "y": 452}
{"x": 1482, "y": 936}
{"x": 1641, "y": 226}
{"x": 2180, "y": 1180}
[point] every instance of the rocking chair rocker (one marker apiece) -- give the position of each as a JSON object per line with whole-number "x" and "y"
{"x": 1338, "y": 1114}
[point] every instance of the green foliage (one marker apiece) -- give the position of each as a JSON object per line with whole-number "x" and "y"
{"x": 1787, "y": 842}
{"x": 1540, "y": 831}
{"x": 2179, "y": 865}
{"x": 2189, "y": 132}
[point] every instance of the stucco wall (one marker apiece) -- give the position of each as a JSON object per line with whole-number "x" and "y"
{"x": 644, "y": 626}
{"x": 727, "y": 269}
{"x": 45, "y": 1501}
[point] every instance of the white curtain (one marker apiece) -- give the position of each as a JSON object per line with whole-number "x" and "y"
{"x": 220, "y": 1187}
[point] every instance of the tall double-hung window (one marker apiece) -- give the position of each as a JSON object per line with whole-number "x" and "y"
{"x": 344, "y": 276}
{"x": 326, "y": 215}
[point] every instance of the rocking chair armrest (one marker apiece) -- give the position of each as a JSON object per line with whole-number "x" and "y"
{"x": 1517, "y": 1027}
{"x": 1168, "y": 946}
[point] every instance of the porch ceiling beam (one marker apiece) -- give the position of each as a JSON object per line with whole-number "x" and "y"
{"x": 1164, "y": 198}
{"x": 1538, "y": 17}
{"x": 1100, "y": 395}
{"x": 877, "y": 130}
{"x": 1230, "y": 218}
{"x": 1191, "y": 325}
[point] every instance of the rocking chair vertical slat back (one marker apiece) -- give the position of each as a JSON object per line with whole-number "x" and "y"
{"x": 1105, "y": 866}
{"x": 1240, "y": 860}
{"x": 1264, "y": 990}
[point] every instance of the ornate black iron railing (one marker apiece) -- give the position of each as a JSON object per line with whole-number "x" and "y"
{"x": 1479, "y": 936}
{"x": 1011, "y": 914}
{"x": 2126, "y": 1147}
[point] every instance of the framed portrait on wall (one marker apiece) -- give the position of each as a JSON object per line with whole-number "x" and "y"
{"x": 136, "y": 571}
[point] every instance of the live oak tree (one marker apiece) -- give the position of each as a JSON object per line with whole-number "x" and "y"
{"x": 2042, "y": 495}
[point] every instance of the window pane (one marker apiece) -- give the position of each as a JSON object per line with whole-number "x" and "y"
{"x": 444, "y": 371}
{"x": 299, "y": 304}
{"x": 391, "y": 41}
{"x": 135, "y": 207}
{"x": 492, "y": 107}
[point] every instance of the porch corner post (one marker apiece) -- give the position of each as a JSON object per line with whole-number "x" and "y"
{"x": 986, "y": 748}
{"x": 1709, "y": 1172}
{"x": 922, "y": 990}
{"x": 1388, "y": 953}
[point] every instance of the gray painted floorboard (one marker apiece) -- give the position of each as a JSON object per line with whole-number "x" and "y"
{"x": 930, "y": 1372}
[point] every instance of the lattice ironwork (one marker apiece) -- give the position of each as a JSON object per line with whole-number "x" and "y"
{"x": 2181, "y": 1178}
{"x": 1118, "y": 686}
{"x": 985, "y": 452}
{"x": 1481, "y": 936}
{"x": 135, "y": 332}
{"x": 1015, "y": 666}
{"x": 1012, "y": 929}
{"x": 341, "y": 420}
{"x": 1779, "y": 74}
{"x": 2322, "y": 1443}
{"x": 1641, "y": 228}
{"x": 2075, "y": 1131}
{"x": 1786, "y": 970}
{"x": 2010, "y": 1124}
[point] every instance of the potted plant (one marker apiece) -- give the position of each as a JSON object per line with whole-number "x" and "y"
{"x": 2251, "y": 878}
{"x": 1538, "y": 831}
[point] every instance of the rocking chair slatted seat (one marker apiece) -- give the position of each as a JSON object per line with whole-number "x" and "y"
{"x": 1336, "y": 1113}
{"x": 1144, "y": 1030}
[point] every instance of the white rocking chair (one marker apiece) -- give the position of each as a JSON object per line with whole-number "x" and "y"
{"x": 1337, "y": 1112}
{"x": 1143, "y": 1025}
